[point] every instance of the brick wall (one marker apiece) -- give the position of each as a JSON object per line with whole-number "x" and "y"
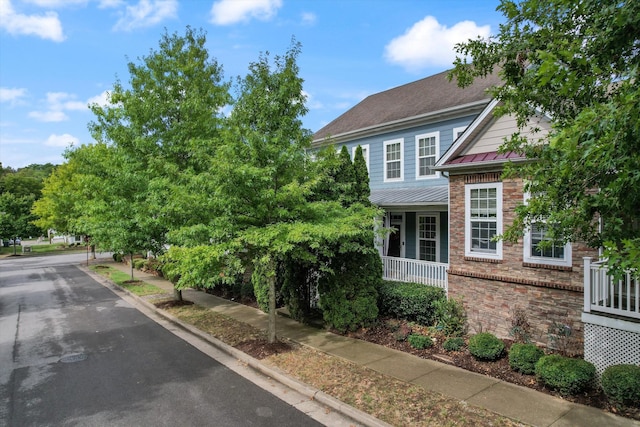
{"x": 492, "y": 289}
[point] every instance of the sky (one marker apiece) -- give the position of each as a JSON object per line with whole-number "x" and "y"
{"x": 59, "y": 56}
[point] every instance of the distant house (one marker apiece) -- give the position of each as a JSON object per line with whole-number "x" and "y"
{"x": 432, "y": 153}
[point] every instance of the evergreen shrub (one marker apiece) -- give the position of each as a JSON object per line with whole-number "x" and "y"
{"x": 621, "y": 384}
{"x": 420, "y": 342}
{"x": 566, "y": 375}
{"x": 410, "y": 301}
{"x": 450, "y": 317}
{"x": 523, "y": 357}
{"x": 453, "y": 343}
{"x": 486, "y": 346}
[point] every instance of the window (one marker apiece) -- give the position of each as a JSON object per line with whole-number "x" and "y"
{"x": 427, "y": 238}
{"x": 556, "y": 253}
{"x": 365, "y": 153}
{"x": 393, "y": 160}
{"x": 427, "y": 154}
{"x": 458, "y": 131}
{"x": 483, "y": 220}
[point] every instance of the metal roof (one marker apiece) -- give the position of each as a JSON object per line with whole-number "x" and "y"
{"x": 415, "y": 196}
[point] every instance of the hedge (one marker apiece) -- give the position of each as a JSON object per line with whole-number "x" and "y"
{"x": 409, "y": 301}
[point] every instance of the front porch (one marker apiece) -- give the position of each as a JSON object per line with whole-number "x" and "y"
{"x": 611, "y": 316}
{"x": 415, "y": 271}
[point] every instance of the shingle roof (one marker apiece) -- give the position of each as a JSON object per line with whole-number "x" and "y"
{"x": 410, "y": 196}
{"x": 431, "y": 94}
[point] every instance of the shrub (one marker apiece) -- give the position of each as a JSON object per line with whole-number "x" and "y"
{"x": 420, "y": 341}
{"x": 520, "y": 326}
{"x": 402, "y": 332}
{"x": 621, "y": 384}
{"x": 523, "y": 357}
{"x": 117, "y": 257}
{"x": 409, "y": 301}
{"x": 450, "y": 317}
{"x": 453, "y": 344}
{"x": 568, "y": 376}
{"x": 139, "y": 263}
{"x": 486, "y": 346}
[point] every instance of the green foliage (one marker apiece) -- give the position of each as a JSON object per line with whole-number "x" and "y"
{"x": 578, "y": 63}
{"x": 410, "y": 301}
{"x": 117, "y": 257}
{"x": 523, "y": 357}
{"x": 420, "y": 342}
{"x": 453, "y": 344}
{"x": 299, "y": 289}
{"x": 361, "y": 188}
{"x": 621, "y": 384}
{"x": 261, "y": 286}
{"x": 566, "y": 375}
{"x": 486, "y": 346}
{"x": 139, "y": 263}
{"x": 15, "y": 216}
{"x": 348, "y": 294}
{"x": 451, "y": 317}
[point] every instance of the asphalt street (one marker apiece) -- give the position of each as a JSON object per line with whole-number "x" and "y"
{"x": 74, "y": 353}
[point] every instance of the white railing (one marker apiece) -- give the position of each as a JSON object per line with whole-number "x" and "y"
{"x": 412, "y": 270}
{"x": 603, "y": 293}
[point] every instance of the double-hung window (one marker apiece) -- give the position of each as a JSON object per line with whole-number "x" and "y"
{"x": 540, "y": 248}
{"x": 427, "y": 237}
{"x": 393, "y": 160}
{"x": 427, "y": 148}
{"x": 483, "y": 220}
{"x": 365, "y": 153}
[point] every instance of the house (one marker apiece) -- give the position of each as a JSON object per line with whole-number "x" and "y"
{"x": 568, "y": 299}
{"x": 403, "y": 131}
{"x": 432, "y": 153}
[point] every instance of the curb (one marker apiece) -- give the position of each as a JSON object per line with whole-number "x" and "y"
{"x": 273, "y": 373}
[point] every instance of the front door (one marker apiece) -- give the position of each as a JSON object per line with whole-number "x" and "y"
{"x": 394, "y": 247}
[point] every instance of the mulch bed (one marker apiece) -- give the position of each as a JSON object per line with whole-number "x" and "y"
{"x": 172, "y": 303}
{"x": 261, "y": 348}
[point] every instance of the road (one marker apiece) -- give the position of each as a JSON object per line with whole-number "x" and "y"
{"x": 74, "y": 353}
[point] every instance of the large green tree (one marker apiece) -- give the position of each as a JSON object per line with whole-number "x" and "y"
{"x": 162, "y": 131}
{"x": 576, "y": 62}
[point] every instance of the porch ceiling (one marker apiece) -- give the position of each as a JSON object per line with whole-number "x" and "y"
{"x": 437, "y": 195}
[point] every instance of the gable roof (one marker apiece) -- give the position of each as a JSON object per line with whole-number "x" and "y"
{"x": 420, "y": 99}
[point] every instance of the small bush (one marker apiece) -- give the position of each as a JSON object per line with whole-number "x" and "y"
{"x": 566, "y": 375}
{"x": 117, "y": 257}
{"x": 520, "y": 326}
{"x": 420, "y": 341}
{"x": 409, "y": 301}
{"x": 486, "y": 346}
{"x": 621, "y": 384}
{"x": 523, "y": 357}
{"x": 451, "y": 317}
{"x": 139, "y": 263}
{"x": 453, "y": 344}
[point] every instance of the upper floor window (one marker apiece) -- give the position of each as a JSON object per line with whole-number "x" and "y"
{"x": 393, "y": 160}
{"x": 427, "y": 150}
{"x": 365, "y": 153}
{"x": 483, "y": 220}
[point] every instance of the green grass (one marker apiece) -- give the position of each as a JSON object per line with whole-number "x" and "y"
{"x": 41, "y": 249}
{"x": 139, "y": 288}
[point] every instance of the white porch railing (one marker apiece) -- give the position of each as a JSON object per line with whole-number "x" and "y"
{"x": 602, "y": 293}
{"x": 412, "y": 270}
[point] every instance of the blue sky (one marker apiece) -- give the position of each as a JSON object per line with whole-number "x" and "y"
{"x": 56, "y": 56}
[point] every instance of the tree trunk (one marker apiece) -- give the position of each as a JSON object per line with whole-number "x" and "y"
{"x": 271, "y": 331}
{"x": 131, "y": 260}
{"x": 93, "y": 251}
{"x": 177, "y": 294}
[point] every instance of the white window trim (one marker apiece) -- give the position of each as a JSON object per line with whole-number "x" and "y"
{"x": 527, "y": 257}
{"x": 435, "y": 135}
{"x": 457, "y": 130}
{"x": 366, "y": 156}
{"x": 437, "y": 239}
{"x": 384, "y": 159}
{"x": 467, "y": 221}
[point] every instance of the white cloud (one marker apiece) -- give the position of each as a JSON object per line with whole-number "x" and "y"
{"x": 11, "y": 95}
{"x": 309, "y": 18}
{"x": 146, "y": 14}
{"x": 226, "y": 12}
{"x": 63, "y": 140}
{"x": 49, "y": 116}
{"x": 429, "y": 43}
{"x": 102, "y": 99}
{"x": 104, "y": 4}
{"x": 53, "y": 4}
{"x": 46, "y": 26}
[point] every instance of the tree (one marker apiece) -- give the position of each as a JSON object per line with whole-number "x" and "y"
{"x": 16, "y": 219}
{"x": 161, "y": 133}
{"x": 578, "y": 63}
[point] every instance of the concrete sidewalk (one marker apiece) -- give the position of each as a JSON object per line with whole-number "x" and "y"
{"x": 519, "y": 403}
